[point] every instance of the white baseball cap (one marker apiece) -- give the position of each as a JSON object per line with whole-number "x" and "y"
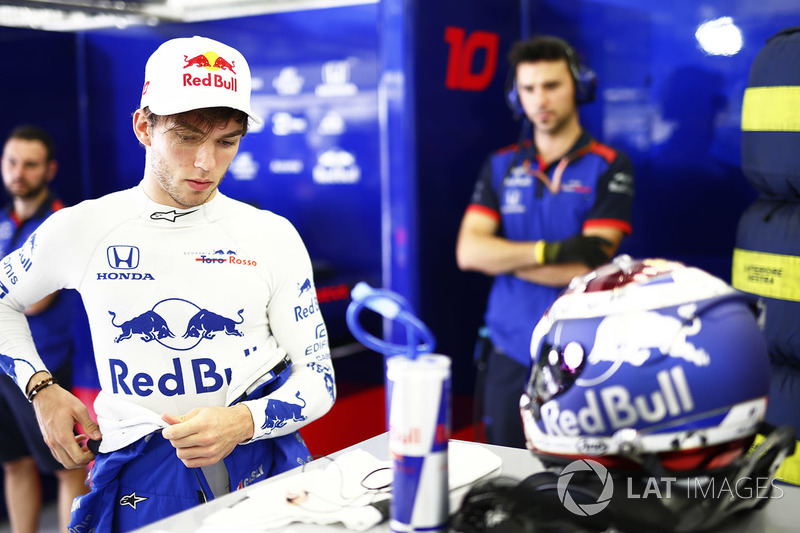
{"x": 193, "y": 73}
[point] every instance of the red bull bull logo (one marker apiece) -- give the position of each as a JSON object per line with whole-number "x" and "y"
{"x": 164, "y": 322}
{"x": 214, "y": 63}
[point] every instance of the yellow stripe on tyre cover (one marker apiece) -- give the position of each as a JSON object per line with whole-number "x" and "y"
{"x": 771, "y": 109}
{"x": 766, "y": 274}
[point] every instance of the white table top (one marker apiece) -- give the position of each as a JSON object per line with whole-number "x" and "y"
{"x": 780, "y": 515}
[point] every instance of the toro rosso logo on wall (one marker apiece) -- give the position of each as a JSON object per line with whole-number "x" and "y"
{"x": 168, "y": 318}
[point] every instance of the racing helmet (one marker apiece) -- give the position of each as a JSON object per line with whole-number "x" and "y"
{"x": 644, "y": 372}
{"x": 646, "y": 358}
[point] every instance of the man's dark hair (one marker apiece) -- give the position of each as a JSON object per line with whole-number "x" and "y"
{"x": 541, "y": 48}
{"x": 28, "y": 132}
{"x": 204, "y": 118}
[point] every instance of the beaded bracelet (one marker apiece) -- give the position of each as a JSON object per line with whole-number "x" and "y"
{"x": 41, "y": 385}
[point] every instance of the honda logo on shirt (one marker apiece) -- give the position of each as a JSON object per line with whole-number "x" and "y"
{"x": 123, "y": 257}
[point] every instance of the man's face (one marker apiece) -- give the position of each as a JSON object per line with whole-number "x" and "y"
{"x": 186, "y": 164}
{"x": 547, "y": 93}
{"x": 26, "y": 170}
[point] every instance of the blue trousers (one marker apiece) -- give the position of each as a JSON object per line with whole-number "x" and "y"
{"x": 145, "y": 481}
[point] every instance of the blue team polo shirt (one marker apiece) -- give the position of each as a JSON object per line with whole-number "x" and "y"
{"x": 596, "y": 190}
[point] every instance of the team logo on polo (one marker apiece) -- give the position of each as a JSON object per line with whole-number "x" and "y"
{"x": 176, "y": 324}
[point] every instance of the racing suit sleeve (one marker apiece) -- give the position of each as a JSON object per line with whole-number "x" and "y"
{"x": 25, "y": 279}
{"x": 299, "y": 329}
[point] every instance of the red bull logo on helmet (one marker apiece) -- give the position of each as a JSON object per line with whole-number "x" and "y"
{"x": 214, "y": 64}
{"x": 613, "y": 406}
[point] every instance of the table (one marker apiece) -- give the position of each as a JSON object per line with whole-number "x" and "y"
{"x": 780, "y": 515}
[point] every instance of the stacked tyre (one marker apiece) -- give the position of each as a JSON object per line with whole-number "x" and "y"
{"x": 766, "y": 260}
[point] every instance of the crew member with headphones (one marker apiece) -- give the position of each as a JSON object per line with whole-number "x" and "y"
{"x": 553, "y": 206}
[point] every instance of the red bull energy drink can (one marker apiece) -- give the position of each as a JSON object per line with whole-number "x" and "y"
{"x": 419, "y": 394}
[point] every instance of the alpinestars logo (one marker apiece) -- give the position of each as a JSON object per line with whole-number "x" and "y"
{"x": 171, "y": 216}
{"x": 132, "y": 499}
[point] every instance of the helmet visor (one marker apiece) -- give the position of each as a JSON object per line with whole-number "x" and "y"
{"x": 555, "y": 371}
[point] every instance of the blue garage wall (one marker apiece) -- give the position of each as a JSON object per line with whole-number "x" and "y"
{"x": 461, "y": 116}
{"x": 40, "y": 86}
{"x": 675, "y": 108}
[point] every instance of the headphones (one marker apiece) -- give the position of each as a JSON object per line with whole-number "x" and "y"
{"x": 585, "y": 79}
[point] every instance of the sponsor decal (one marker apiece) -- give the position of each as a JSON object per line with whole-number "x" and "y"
{"x": 8, "y": 270}
{"x": 317, "y": 346}
{"x": 621, "y": 183}
{"x": 518, "y": 177}
{"x": 132, "y": 499}
{"x": 204, "y": 375}
{"x": 621, "y": 339}
{"x": 254, "y": 476}
{"x": 213, "y": 63}
{"x": 575, "y": 186}
{"x": 615, "y": 404}
{"x": 231, "y": 259}
{"x": 288, "y": 82}
{"x": 512, "y": 199}
{"x": 285, "y": 124}
{"x": 336, "y": 80}
{"x": 331, "y": 124}
{"x": 286, "y": 166}
{"x": 336, "y": 166}
{"x": 123, "y": 257}
{"x": 170, "y": 216}
{"x": 278, "y": 413}
{"x": 168, "y": 318}
{"x": 3, "y": 290}
{"x": 304, "y": 287}
{"x": 244, "y": 167}
{"x": 303, "y": 312}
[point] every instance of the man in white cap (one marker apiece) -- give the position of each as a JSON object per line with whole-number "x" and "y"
{"x": 204, "y": 318}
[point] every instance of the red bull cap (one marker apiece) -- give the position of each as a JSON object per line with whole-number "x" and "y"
{"x": 193, "y": 73}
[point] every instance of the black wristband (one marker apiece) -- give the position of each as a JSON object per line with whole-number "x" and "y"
{"x": 41, "y": 385}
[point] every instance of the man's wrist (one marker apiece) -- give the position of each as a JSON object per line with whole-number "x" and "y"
{"x": 538, "y": 252}
{"x": 36, "y": 378}
{"x": 40, "y": 385}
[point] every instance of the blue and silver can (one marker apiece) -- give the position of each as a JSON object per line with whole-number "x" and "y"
{"x": 419, "y": 391}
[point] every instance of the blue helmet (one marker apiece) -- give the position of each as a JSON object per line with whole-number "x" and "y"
{"x": 649, "y": 357}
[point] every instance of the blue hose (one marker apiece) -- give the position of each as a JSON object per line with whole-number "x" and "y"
{"x": 391, "y": 306}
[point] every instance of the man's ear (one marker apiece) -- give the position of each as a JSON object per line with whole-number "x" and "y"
{"x": 141, "y": 128}
{"x": 52, "y": 168}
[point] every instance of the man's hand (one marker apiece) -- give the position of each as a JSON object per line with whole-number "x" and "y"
{"x": 57, "y": 412}
{"x": 206, "y": 435}
{"x": 578, "y": 248}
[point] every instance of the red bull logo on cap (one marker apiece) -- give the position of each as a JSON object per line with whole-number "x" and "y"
{"x": 212, "y": 62}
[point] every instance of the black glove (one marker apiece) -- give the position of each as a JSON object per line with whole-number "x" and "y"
{"x": 578, "y": 248}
